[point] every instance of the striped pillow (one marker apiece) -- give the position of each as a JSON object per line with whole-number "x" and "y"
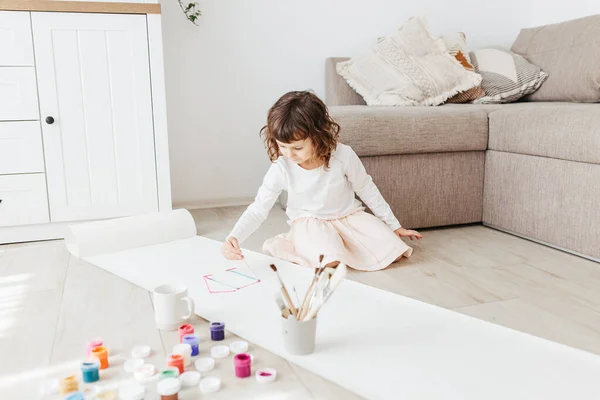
{"x": 506, "y": 76}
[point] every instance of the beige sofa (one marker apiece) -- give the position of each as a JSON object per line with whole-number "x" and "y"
{"x": 530, "y": 168}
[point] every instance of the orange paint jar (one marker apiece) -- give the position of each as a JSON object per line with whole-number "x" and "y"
{"x": 101, "y": 354}
{"x": 68, "y": 385}
{"x": 176, "y": 360}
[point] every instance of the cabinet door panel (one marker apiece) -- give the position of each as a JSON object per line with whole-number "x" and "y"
{"x": 94, "y": 80}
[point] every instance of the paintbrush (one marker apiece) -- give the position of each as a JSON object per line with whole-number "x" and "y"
{"x": 279, "y": 301}
{"x": 308, "y": 291}
{"x": 286, "y": 294}
{"x": 322, "y": 283}
{"x": 326, "y": 290}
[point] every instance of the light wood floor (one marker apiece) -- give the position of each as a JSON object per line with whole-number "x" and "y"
{"x": 51, "y": 303}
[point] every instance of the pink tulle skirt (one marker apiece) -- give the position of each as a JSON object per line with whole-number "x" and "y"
{"x": 360, "y": 240}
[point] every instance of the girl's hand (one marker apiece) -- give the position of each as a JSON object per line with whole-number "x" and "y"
{"x": 231, "y": 249}
{"x": 401, "y": 232}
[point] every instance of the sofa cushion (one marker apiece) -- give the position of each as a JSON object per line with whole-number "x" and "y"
{"x": 374, "y": 131}
{"x": 568, "y": 131}
{"x": 570, "y": 53}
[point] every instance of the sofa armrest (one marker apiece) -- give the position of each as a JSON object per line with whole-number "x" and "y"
{"x": 337, "y": 90}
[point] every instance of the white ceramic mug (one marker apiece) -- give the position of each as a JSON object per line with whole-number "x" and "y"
{"x": 172, "y": 306}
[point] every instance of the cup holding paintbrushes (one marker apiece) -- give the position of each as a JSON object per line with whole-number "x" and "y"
{"x": 299, "y": 325}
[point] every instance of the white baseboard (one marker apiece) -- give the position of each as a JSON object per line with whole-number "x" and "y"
{"x": 214, "y": 203}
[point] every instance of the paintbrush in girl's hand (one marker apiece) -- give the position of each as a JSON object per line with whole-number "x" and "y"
{"x": 285, "y": 292}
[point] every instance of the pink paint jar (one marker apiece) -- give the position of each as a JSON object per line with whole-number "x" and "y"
{"x": 242, "y": 363}
{"x": 92, "y": 344}
{"x": 185, "y": 329}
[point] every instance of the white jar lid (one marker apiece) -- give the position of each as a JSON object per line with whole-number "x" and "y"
{"x": 168, "y": 386}
{"x": 132, "y": 364}
{"x": 144, "y": 372}
{"x": 238, "y": 347}
{"x": 219, "y": 351}
{"x": 142, "y": 351}
{"x": 132, "y": 391}
{"x": 190, "y": 378}
{"x": 183, "y": 349}
{"x": 210, "y": 384}
{"x": 266, "y": 375}
{"x": 205, "y": 364}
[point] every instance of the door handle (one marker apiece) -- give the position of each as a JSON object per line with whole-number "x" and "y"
{"x": 49, "y": 120}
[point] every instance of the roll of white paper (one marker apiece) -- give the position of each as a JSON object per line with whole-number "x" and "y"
{"x": 108, "y": 236}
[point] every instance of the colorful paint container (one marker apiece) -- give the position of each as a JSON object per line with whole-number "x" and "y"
{"x": 90, "y": 371}
{"x": 92, "y": 344}
{"x": 242, "y": 363}
{"x": 185, "y": 329}
{"x": 169, "y": 372}
{"x": 168, "y": 389}
{"x": 175, "y": 360}
{"x": 68, "y": 385}
{"x": 217, "y": 331}
{"x": 194, "y": 342}
{"x": 75, "y": 396}
{"x": 186, "y": 351}
{"x": 101, "y": 354}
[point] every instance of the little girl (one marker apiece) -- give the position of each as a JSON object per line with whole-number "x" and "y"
{"x": 321, "y": 177}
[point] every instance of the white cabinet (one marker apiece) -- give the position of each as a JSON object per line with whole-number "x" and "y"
{"x": 23, "y": 200}
{"x": 21, "y": 148}
{"x": 16, "y": 46}
{"x": 82, "y": 120}
{"x": 96, "y": 106}
{"x": 18, "y": 94}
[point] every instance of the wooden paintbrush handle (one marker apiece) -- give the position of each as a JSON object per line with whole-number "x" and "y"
{"x": 289, "y": 300}
{"x": 303, "y": 306}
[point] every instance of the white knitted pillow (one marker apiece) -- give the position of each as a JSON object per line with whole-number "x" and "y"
{"x": 409, "y": 68}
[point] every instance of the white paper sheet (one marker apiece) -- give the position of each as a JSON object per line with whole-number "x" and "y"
{"x": 377, "y": 344}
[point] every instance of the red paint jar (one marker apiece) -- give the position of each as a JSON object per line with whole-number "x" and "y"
{"x": 176, "y": 360}
{"x": 185, "y": 329}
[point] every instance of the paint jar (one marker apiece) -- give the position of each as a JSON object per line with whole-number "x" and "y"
{"x": 168, "y": 389}
{"x": 217, "y": 331}
{"x": 90, "y": 371}
{"x": 298, "y": 336}
{"x": 242, "y": 364}
{"x": 68, "y": 385}
{"x": 175, "y": 360}
{"x": 194, "y": 342}
{"x": 186, "y": 351}
{"x": 169, "y": 372}
{"x": 101, "y": 354}
{"x": 75, "y": 396}
{"x": 92, "y": 344}
{"x": 185, "y": 329}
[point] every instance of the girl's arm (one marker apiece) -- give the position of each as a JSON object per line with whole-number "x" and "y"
{"x": 363, "y": 185}
{"x": 258, "y": 211}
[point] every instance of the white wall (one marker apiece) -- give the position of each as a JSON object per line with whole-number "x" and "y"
{"x": 223, "y": 75}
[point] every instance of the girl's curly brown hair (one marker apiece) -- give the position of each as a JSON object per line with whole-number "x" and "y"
{"x": 296, "y": 116}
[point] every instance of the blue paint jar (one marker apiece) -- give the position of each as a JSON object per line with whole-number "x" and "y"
{"x": 194, "y": 342}
{"x": 217, "y": 331}
{"x": 75, "y": 396}
{"x": 90, "y": 370}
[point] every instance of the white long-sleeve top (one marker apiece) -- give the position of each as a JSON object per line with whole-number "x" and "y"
{"x": 325, "y": 193}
